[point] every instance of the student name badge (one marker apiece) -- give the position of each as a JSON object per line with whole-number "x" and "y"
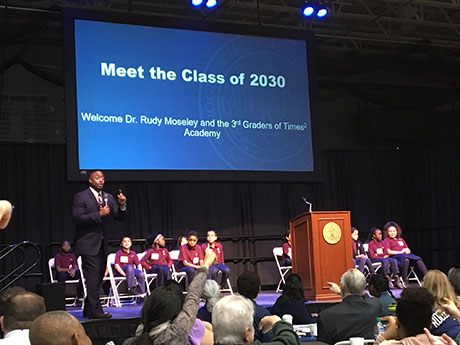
{"x": 196, "y": 260}
{"x": 155, "y": 256}
{"x": 379, "y": 250}
{"x": 124, "y": 259}
{"x": 401, "y": 243}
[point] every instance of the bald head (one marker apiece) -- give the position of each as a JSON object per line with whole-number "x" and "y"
{"x": 20, "y": 309}
{"x": 58, "y": 328}
{"x": 5, "y": 213}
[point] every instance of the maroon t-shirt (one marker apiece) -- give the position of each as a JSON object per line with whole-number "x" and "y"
{"x": 192, "y": 255}
{"x": 155, "y": 257}
{"x": 217, "y": 249}
{"x": 123, "y": 259}
{"x": 397, "y": 243}
{"x": 377, "y": 250}
{"x": 65, "y": 260}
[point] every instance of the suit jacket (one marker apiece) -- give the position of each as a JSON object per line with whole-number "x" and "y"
{"x": 90, "y": 227}
{"x": 355, "y": 316}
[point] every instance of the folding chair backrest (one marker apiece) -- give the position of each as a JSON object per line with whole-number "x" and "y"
{"x": 50, "y": 267}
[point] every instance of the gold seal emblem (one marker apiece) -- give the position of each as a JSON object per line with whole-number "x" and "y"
{"x": 332, "y": 233}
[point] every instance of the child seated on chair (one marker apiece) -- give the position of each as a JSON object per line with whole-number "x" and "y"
{"x": 360, "y": 258}
{"x": 219, "y": 264}
{"x": 157, "y": 259}
{"x": 287, "y": 252}
{"x": 65, "y": 263}
{"x": 190, "y": 256}
{"x": 126, "y": 261}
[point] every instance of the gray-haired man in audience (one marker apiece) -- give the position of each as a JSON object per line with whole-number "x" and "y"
{"x": 58, "y": 328}
{"x": 232, "y": 321}
{"x": 355, "y": 316}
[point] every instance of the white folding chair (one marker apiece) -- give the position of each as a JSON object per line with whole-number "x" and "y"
{"x": 108, "y": 299}
{"x": 177, "y": 276}
{"x": 116, "y": 281}
{"x": 52, "y": 268}
{"x": 149, "y": 277}
{"x": 413, "y": 276}
{"x": 376, "y": 265}
{"x": 277, "y": 253}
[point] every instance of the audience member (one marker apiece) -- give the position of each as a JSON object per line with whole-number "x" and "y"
{"x": 127, "y": 265}
{"x": 439, "y": 286}
{"x": 65, "y": 264}
{"x": 219, "y": 265}
{"x": 5, "y": 213}
{"x": 355, "y": 316}
{"x": 211, "y": 294}
{"x": 399, "y": 250}
{"x": 360, "y": 258}
{"x": 292, "y": 301}
{"x": 379, "y": 288}
{"x": 233, "y": 324}
{"x": 454, "y": 278}
{"x": 378, "y": 252}
{"x": 58, "y": 328}
{"x": 165, "y": 320}
{"x": 190, "y": 256}
{"x": 157, "y": 259}
{"x": 413, "y": 317}
{"x": 248, "y": 285}
{"x": 19, "y": 310}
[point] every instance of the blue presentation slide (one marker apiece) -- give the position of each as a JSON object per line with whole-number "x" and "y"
{"x": 153, "y": 98}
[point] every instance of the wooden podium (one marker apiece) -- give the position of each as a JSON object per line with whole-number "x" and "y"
{"x": 321, "y": 251}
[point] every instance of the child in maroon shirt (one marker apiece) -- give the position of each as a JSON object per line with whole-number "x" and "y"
{"x": 126, "y": 261}
{"x": 287, "y": 252}
{"x": 157, "y": 259}
{"x": 65, "y": 263}
{"x": 378, "y": 252}
{"x": 219, "y": 265}
{"x": 399, "y": 250}
{"x": 190, "y": 256}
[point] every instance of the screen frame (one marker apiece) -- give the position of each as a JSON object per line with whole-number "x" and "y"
{"x": 73, "y": 171}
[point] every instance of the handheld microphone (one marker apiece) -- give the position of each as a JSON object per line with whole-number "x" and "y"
{"x": 106, "y": 199}
{"x": 308, "y": 203}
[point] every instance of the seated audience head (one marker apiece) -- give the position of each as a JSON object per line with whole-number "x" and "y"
{"x": 454, "y": 278}
{"x": 211, "y": 293}
{"x": 414, "y": 311}
{"x": 5, "y": 213}
{"x": 392, "y": 229}
{"x": 378, "y": 283}
{"x": 439, "y": 286}
{"x": 232, "y": 321}
{"x": 375, "y": 234}
{"x": 293, "y": 289}
{"x": 20, "y": 309}
{"x": 352, "y": 282}
{"x": 58, "y": 328}
{"x": 248, "y": 284}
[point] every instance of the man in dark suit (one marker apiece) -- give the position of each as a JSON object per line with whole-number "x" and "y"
{"x": 355, "y": 316}
{"x": 93, "y": 212}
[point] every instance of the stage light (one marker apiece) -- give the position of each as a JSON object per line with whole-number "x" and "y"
{"x": 197, "y": 2}
{"x": 211, "y": 3}
{"x": 308, "y": 11}
{"x": 322, "y": 12}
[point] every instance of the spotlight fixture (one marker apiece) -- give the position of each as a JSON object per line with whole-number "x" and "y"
{"x": 313, "y": 7}
{"x": 207, "y": 3}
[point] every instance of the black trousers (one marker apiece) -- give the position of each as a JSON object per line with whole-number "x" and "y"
{"x": 93, "y": 270}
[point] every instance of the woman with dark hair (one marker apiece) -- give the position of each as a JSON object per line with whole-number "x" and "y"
{"x": 292, "y": 302}
{"x": 165, "y": 320}
{"x": 378, "y": 252}
{"x": 413, "y": 318}
{"x": 399, "y": 250}
{"x": 378, "y": 287}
